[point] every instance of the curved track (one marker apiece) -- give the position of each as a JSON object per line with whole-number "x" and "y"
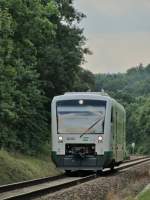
{"x": 34, "y": 188}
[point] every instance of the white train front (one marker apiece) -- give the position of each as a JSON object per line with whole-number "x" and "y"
{"x": 88, "y": 131}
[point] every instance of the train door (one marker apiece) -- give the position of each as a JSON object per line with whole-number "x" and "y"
{"x": 117, "y": 143}
{"x": 114, "y": 131}
{"x": 119, "y": 134}
{"x": 116, "y": 134}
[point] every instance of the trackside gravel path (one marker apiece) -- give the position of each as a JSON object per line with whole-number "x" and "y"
{"x": 102, "y": 187}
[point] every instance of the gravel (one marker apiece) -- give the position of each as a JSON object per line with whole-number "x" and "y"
{"x": 117, "y": 186}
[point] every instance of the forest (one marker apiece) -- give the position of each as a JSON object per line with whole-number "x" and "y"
{"x": 132, "y": 89}
{"x": 42, "y": 49}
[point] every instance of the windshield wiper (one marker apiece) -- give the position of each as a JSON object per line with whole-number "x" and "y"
{"x": 92, "y": 126}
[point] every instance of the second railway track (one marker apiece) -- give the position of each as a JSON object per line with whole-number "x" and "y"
{"x": 39, "y": 187}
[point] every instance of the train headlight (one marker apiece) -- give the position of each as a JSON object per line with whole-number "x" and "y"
{"x": 100, "y": 139}
{"x": 81, "y": 102}
{"x": 60, "y": 139}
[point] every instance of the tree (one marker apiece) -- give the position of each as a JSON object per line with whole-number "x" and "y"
{"x": 132, "y": 89}
{"x": 59, "y": 61}
{"x": 41, "y": 53}
{"x": 85, "y": 81}
{"x": 24, "y": 26}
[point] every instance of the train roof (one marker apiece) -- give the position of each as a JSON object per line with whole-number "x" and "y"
{"x": 87, "y": 93}
{"x": 76, "y": 95}
{"x": 94, "y": 95}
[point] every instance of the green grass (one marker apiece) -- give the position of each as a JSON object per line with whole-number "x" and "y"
{"x": 17, "y": 167}
{"x": 145, "y": 195}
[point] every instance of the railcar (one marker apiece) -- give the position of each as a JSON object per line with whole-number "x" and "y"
{"x": 88, "y": 131}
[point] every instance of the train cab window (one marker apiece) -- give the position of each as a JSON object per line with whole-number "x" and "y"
{"x": 76, "y": 116}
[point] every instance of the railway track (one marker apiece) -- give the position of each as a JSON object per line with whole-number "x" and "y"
{"x": 31, "y": 189}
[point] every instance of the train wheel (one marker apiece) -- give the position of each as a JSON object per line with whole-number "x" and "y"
{"x": 112, "y": 165}
{"x": 99, "y": 172}
{"x": 68, "y": 172}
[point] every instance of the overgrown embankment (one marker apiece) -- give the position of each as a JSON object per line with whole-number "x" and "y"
{"x": 145, "y": 194}
{"x": 17, "y": 167}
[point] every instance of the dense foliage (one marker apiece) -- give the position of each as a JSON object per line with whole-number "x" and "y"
{"x": 132, "y": 89}
{"x": 41, "y": 49}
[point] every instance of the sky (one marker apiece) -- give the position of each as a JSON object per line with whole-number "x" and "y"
{"x": 117, "y": 32}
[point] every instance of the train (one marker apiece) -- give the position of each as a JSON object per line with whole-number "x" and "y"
{"x": 88, "y": 131}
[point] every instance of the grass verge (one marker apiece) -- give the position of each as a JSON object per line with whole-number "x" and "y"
{"x": 17, "y": 167}
{"x": 145, "y": 195}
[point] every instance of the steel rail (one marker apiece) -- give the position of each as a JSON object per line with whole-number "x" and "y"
{"x": 130, "y": 160}
{"x": 51, "y": 189}
{"x": 18, "y": 185}
{"x": 133, "y": 163}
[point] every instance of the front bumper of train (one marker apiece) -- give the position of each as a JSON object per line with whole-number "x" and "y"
{"x": 91, "y": 162}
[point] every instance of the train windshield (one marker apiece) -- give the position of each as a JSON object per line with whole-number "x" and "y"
{"x": 79, "y": 116}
